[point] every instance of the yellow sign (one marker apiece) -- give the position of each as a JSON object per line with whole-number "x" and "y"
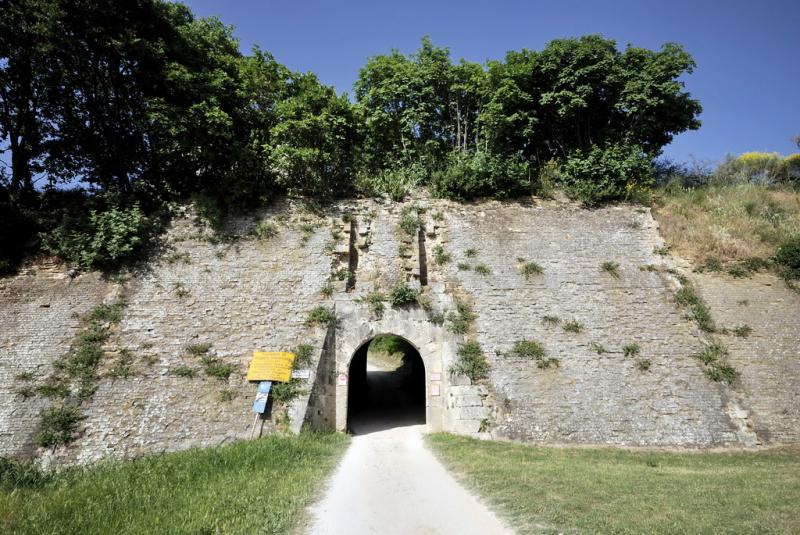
{"x": 271, "y": 366}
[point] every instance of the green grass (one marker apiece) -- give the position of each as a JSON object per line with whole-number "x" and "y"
{"x": 261, "y": 486}
{"x": 567, "y": 490}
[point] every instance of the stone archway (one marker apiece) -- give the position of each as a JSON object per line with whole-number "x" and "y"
{"x": 386, "y": 386}
{"x": 357, "y": 328}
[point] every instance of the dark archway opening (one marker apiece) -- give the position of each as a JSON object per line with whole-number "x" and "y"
{"x": 386, "y": 386}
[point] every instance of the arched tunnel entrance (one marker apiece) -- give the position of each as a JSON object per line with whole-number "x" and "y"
{"x": 386, "y": 386}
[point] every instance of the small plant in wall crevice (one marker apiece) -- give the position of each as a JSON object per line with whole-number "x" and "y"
{"x": 403, "y": 295}
{"x": 321, "y": 316}
{"x": 533, "y": 350}
{"x": 529, "y": 269}
{"x": 632, "y": 349}
{"x": 612, "y": 268}
{"x": 483, "y": 269}
{"x": 573, "y": 326}
{"x": 471, "y": 361}
{"x": 717, "y": 368}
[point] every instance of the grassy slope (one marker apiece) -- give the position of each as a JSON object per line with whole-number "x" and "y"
{"x": 618, "y": 491}
{"x": 249, "y": 487}
{"x": 728, "y": 223}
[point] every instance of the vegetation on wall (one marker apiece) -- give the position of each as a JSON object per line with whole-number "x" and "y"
{"x": 471, "y": 361}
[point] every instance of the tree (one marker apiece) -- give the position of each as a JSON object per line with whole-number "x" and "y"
{"x": 313, "y": 140}
{"x": 24, "y": 51}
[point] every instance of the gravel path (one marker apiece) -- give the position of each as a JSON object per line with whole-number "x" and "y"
{"x": 389, "y": 483}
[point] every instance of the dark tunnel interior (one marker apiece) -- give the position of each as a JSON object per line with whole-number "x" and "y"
{"x": 386, "y": 386}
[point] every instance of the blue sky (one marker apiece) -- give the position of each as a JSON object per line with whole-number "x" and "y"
{"x": 748, "y": 53}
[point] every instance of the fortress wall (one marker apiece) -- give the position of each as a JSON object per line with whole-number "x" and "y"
{"x": 246, "y": 293}
{"x": 241, "y": 296}
{"x": 39, "y": 316}
{"x": 768, "y": 358}
{"x": 590, "y": 397}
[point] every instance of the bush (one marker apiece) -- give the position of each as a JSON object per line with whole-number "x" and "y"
{"x": 197, "y": 350}
{"x": 631, "y": 350}
{"x": 375, "y": 301}
{"x": 395, "y": 183}
{"x": 219, "y": 370}
{"x": 531, "y": 349}
{"x": 461, "y": 319}
{"x": 612, "y": 268}
{"x": 265, "y": 230}
{"x": 403, "y": 294}
{"x": 573, "y": 326}
{"x": 604, "y": 174}
{"x": 321, "y": 316}
{"x": 530, "y": 269}
{"x": 766, "y": 168}
{"x": 105, "y": 240}
{"x": 184, "y": 371}
{"x": 410, "y": 221}
{"x": 483, "y": 269}
{"x": 717, "y": 368}
{"x": 467, "y": 175}
{"x": 58, "y": 425}
{"x": 303, "y": 354}
{"x": 793, "y": 168}
{"x": 440, "y": 256}
{"x": 788, "y": 254}
{"x": 471, "y": 361}
{"x": 285, "y": 393}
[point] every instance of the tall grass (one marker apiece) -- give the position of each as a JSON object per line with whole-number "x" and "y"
{"x": 249, "y": 487}
{"x": 728, "y": 222}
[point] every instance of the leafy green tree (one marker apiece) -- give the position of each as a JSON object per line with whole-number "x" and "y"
{"x": 102, "y": 68}
{"x": 602, "y": 174}
{"x": 411, "y": 107}
{"x": 313, "y": 140}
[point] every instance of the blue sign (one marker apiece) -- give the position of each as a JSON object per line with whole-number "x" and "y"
{"x": 260, "y": 404}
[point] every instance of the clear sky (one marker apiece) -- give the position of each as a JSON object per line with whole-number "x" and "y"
{"x": 747, "y": 52}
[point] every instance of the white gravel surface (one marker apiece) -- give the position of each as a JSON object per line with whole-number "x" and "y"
{"x": 389, "y": 483}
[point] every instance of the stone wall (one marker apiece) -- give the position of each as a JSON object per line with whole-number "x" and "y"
{"x": 769, "y": 357}
{"x": 243, "y": 292}
{"x": 39, "y": 316}
{"x": 590, "y": 397}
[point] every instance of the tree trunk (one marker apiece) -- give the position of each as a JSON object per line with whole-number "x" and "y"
{"x": 21, "y": 178}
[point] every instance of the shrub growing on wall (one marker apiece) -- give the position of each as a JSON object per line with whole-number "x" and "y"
{"x": 605, "y": 173}
{"x": 475, "y": 174}
{"x": 106, "y": 239}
